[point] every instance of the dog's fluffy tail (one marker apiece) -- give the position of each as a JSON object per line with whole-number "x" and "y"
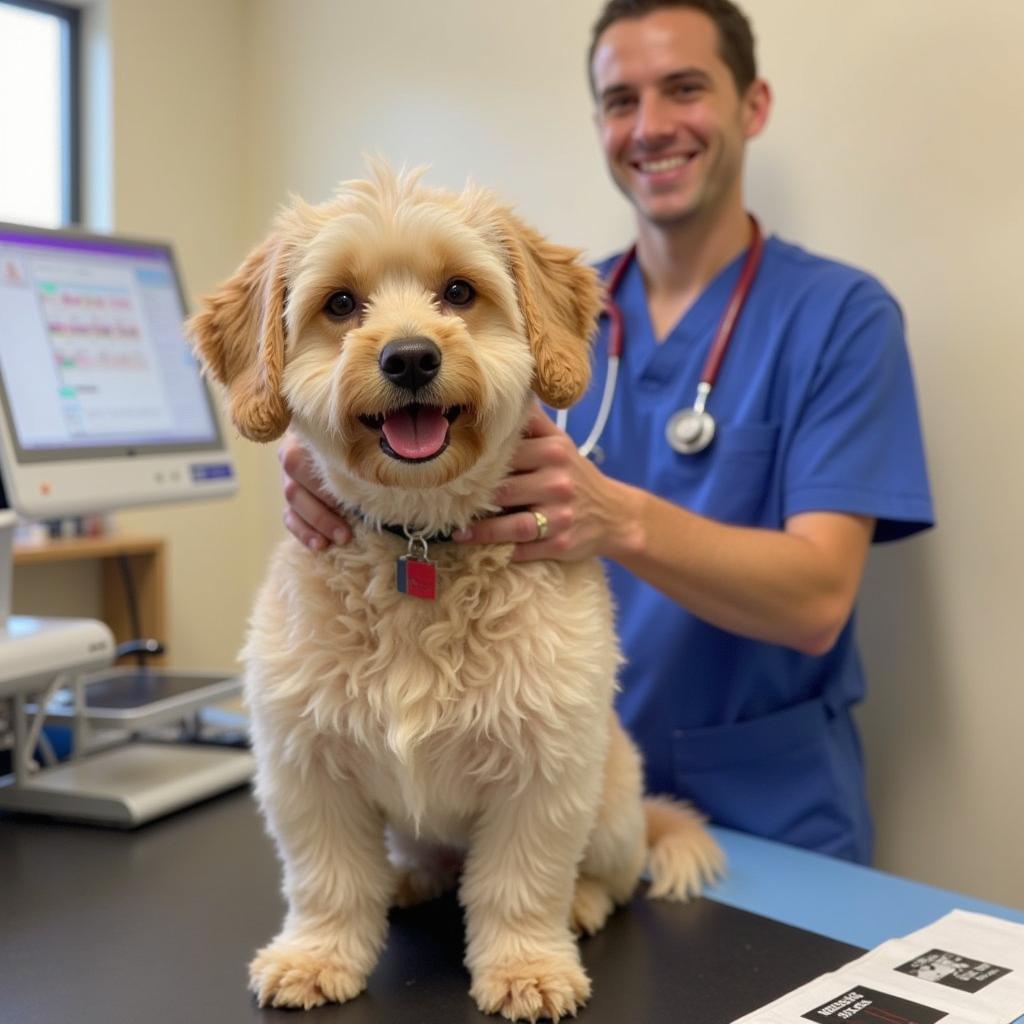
{"x": 683, "y": 856}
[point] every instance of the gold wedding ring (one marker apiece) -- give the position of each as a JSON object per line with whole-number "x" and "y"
{"x": 542, "y": 524}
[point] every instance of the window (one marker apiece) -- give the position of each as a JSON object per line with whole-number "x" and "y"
{"x": 39, "y": 179}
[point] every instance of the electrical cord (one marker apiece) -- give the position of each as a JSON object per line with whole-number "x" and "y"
{"x": 133, "y": 604}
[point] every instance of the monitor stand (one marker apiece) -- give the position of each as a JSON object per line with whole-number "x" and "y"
{"x": 125, "y": 785}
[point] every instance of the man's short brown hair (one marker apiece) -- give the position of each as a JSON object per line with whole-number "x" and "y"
{"x": 735, "y": 36}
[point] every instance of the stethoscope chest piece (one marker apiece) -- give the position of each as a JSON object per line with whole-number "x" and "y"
{"x": 690, "y": 431}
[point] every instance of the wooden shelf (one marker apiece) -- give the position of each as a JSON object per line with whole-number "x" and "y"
{"x": 76, "y": 548}
{"x": 147, "y": 564}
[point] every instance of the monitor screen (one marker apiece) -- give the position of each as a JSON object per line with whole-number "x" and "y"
{"x": 96, "y": 373}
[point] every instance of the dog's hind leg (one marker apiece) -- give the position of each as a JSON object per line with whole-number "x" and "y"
{"x": 424, "y": 870}
{"x": 617, "y": 850}
{"x": 684, "y": 856}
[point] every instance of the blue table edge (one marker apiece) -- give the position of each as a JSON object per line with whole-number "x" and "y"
{"x": 849, "y": 902}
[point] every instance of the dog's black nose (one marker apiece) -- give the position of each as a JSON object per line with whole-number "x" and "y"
{"x": 410, "y": 362}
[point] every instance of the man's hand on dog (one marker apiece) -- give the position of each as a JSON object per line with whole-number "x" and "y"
{"x": 310, "y": 514}
{"x": 583, "y": 507}
{"x": 586, "y": 511}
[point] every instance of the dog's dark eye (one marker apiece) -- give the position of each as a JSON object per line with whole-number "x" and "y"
{"x": 458, "y": 292}
{"x": 340, "y": 304}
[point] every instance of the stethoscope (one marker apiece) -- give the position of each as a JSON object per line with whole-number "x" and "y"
{"x": 688, "y": 431}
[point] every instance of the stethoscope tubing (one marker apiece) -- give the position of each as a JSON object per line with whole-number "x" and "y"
{"x": 716, "y": 354}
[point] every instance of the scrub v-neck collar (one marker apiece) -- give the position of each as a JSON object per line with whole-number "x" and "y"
{"x": 651, "y": 360}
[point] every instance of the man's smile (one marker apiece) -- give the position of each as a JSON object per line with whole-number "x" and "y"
{"x": 663, "y": 164}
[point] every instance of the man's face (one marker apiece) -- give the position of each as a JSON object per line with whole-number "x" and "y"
{"x": 671, "y": 122}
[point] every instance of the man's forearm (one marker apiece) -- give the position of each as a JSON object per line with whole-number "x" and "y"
{"x": 793, "y": 587}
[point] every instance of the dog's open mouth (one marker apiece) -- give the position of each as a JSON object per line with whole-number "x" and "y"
{"x": 415, "y": 433}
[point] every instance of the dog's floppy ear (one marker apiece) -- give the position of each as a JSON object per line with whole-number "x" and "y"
{"x": 560, "y": 298}
{"x": 239, "y": 336}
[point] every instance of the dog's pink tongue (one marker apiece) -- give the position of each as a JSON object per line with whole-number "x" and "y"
{"x": 416, "y": 432}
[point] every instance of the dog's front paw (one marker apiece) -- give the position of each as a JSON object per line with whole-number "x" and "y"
{"x": 282, "y": 974}
{"x": 532, "y": 989}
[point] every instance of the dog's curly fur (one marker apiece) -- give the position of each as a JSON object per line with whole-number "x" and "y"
{"x": 401, "y": 740}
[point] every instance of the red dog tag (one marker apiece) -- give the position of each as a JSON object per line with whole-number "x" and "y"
{"x": 416, "y": 577}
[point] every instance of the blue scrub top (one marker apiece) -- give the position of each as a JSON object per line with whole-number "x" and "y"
{"x": 815, "y": 410}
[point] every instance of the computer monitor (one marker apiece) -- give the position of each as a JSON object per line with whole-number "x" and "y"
{"x": 102, "y": 404}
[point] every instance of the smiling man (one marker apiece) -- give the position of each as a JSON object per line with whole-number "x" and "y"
{"x": 735, "y": 564}
{"x": 673, "y": 115}
{"x": 677, "y": 98}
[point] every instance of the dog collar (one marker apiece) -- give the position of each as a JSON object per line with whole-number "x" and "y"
{"x": 406, "y": 533}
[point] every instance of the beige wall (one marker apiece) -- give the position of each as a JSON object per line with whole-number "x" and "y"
{"x": 169, "y": 161}
{"x": 894, "y": 144}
